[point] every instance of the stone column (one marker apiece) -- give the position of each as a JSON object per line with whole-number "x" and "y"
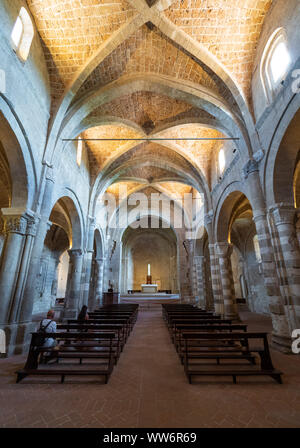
{"x": 88, "y": 261}
{"x": 124, "y": 272}
{"x": 99, "y": 281}
{"x": 72, "y": 300}
{"x": 223, "y": 253}
{"x": 19, "y": 231}
{"x": 32, "y": 223}
{"x": 280, "y": 334}
{"x": 216, "y": 280}
{"x": 42, "y": 228}
{"x": 288, "y": 261}
{"x": 200, "y": 279}
{"x": 15, "y": 229}
{"x": 189, "y": 247}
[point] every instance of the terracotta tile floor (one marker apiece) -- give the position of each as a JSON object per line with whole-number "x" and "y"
{"x": 149, "y": 389}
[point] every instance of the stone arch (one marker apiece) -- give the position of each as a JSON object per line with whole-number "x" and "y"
{"x": 282, "y": 156}
{"x": 73, "y": 212}
{"x": 190, "y": 93}
{"x": 225, "y": 209}
{"x": 163, "y": 265}
{"x": 21, "y": 190}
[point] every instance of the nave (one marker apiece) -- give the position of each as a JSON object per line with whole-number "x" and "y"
{"x": 148, "y": 388}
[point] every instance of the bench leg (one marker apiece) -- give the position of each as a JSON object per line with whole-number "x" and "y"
{"x": 106, "y": 379}
{"x": 190, "y": 379}
{"x": 62, "y": 379}
{"x": 234, "y": 379}
{"x": 277, "y": 377}
{"x": 20, "y": 377}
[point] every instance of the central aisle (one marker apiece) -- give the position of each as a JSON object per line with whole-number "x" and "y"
{"x": 148, "y": 388}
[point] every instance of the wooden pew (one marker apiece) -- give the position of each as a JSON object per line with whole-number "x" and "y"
{"x": 32, "y": 366}
{"x": 213, "y": 349}
{"x": 266, "y": 367}
{"x": 191, "y": 323}
{"x": 118, "y": 329}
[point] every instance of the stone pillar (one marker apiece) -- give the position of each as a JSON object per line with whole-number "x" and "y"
{"x": 189, "y": 247}
{"x": 30, "y": 291}
{"x": 88, "y": 262}
{"x": 124, "y": 272}
{"x": 200, "y": 279}
{"x": 15, "y": 229}
{"x": 14, "y": 265}
{"x": 72, "y": 300}
{"x": 288, "y": 261}
{"x": 216, "y": 280}
{"x": 30, "y": 236}
{"x": 223, "y": 252}
{"x": 280, "y": 335}
{"x": 99, "y": 281}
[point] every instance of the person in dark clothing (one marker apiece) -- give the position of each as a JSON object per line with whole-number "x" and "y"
{"x": 83, "y": 315}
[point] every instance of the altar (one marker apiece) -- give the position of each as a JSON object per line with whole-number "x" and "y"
{"x": 149, "y": 288}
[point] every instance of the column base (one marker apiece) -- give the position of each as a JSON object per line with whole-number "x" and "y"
{"x": 18, "y": 337}
{"x": 281, "y": 343}
{"x": 69, "y": 314}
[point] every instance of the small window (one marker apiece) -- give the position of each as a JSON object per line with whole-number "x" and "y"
{"x": 22, "y": 35}
{"x": 79, "y": 151}
{"x": 257, "y": 249}
{"x": 275, "y": 63}
{"x": 222, "y": 161}
{"x": 279, "y": 62}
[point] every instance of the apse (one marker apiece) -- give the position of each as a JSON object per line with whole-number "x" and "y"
{"x": 149, "y": 250}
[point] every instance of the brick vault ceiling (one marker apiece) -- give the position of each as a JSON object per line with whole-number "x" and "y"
{"x": 72, "y": 31}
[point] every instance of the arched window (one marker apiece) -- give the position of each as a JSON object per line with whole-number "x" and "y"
{"x": 79, "y": 152}
{"x": 22, "y": 35}
{"x": 222, "y": 161}
{"x": 275, "y": 63}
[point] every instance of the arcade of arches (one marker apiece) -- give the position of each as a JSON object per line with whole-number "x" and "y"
{"x": 174, "y": 70}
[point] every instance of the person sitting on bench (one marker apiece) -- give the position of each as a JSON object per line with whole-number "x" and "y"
{"x": 83, "y": 315}
{"x": 49, "y": 326}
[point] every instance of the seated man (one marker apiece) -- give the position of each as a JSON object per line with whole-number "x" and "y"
{"x": 49, "y": 326}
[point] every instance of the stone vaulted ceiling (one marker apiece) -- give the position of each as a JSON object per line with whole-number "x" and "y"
{"x": 92, "y": 44}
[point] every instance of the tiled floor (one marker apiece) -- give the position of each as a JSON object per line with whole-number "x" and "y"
{"x": 149, "y": 389}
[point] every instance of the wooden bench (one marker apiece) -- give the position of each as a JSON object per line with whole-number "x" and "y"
{"x": 213, "y": 349}
{"x": 193, "y": 322}
{"x": 32, "y": 364}
{"x": 266, "y": 367}
{"x": 117, "y": 329}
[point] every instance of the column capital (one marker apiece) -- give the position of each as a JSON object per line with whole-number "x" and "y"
{"x": 283, "y": 213}
{"x": 32, "y": 224}
{"x": 223, "y": 249}
{"x": 259, "y": 215}
{"x": 75, "y": 253}
{"x": 16, "y": 220}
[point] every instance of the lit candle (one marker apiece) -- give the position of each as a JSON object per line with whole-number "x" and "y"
{"x": 149, "y": 269}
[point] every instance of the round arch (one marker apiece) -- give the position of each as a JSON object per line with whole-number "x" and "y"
{"x": 282, "y": 156}
{"x": 225, "y": 209}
